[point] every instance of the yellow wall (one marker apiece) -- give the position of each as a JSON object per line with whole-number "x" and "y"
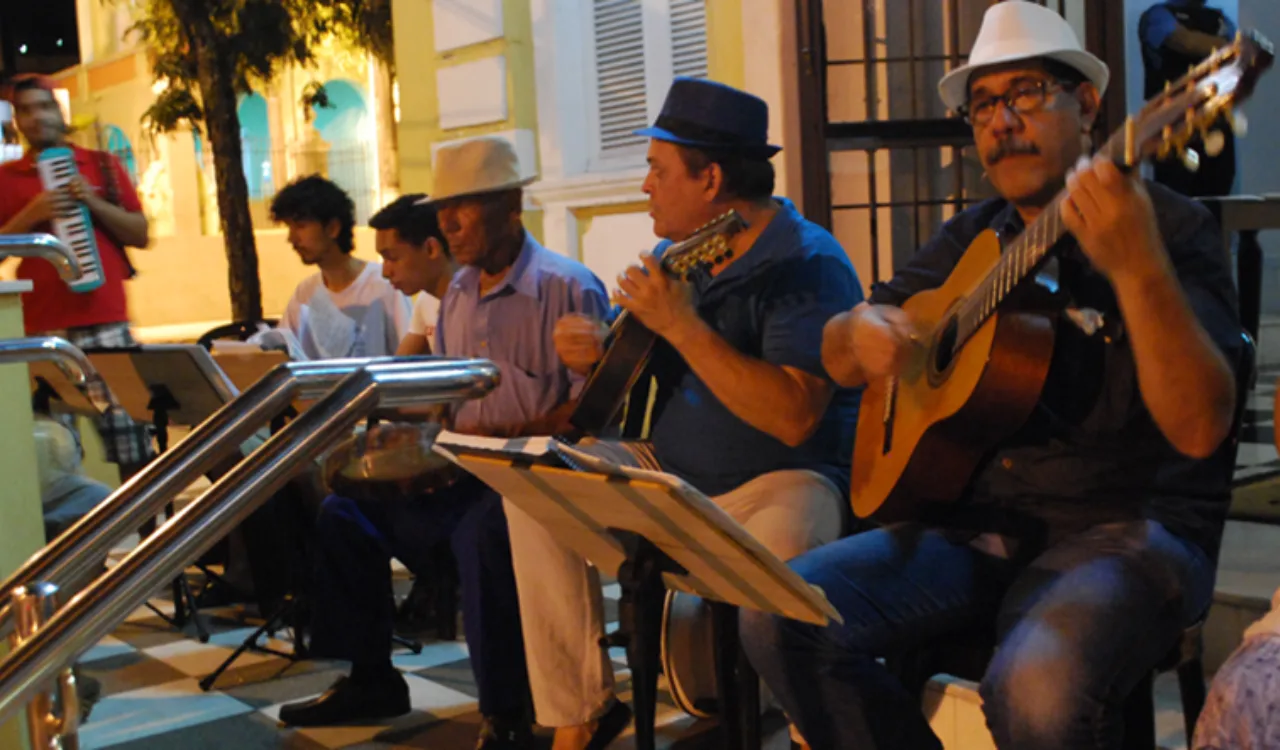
{"x": 724, "y": 42}
{"x": 416, "y": 66}
{"x": 21, "y": 527}
{"x": 184, "y": 279}
{"x": 419, "y": 125}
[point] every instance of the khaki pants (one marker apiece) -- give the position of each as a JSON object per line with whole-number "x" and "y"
{"x": 789, "y": 512}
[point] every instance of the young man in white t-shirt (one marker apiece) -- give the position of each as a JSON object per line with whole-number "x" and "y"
{"x": 347, "y": 309}
{"x": 416, "y": 260}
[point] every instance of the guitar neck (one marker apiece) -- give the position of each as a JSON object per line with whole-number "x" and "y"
{"x": 1024, "y": 255}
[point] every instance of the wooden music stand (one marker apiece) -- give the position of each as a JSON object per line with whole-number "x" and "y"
{"x": 244, "y": 369}
{"x": 48, "y": 381}
{"x": 658, "y": 533}
{"x": 165, "y": 384}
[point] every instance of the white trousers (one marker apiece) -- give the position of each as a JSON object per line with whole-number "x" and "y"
{"x": 562, "y": 615}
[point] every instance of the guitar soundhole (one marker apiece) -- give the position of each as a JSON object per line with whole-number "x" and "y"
{"x": 944, "y": 348}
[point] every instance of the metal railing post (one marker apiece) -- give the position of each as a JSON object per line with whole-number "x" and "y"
{"x": 53, "y": 714}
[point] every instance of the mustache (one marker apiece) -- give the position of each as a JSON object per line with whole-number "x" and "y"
{"x": 1010, "y": 147}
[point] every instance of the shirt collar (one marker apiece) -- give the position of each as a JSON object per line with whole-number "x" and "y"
{"x": 769, "y": 246}
{"x": 521, "y": 279}
{"x": 1007, "y": 222}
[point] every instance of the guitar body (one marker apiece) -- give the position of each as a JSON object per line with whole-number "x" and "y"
{"x": 602, "y": 395}
{"x": 631, "y": 343}
{"x": 921, "y": 435}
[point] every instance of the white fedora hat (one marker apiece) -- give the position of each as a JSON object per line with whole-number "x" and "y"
{"x": 475, "y": 166}
{"x": 1015, "y": 30}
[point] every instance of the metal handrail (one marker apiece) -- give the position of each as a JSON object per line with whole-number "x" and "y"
{"x": 74, "y": 555}
{"x": 103, "y": 604}
{"x": 69, "y": 358}
{"x": 42, "y": 245}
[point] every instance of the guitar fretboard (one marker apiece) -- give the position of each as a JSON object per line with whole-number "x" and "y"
{"x": 1021, "y": 258}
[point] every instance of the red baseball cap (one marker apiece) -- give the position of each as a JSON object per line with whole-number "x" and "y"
{"x": 27, "y": 80}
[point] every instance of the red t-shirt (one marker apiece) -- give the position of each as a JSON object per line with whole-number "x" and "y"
{"x": 51, "y": 305}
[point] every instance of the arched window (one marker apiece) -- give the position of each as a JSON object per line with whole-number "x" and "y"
{"x": 346, "y": 127}
{"x": 120, "y": 147}
{"x": 255, "y": 143}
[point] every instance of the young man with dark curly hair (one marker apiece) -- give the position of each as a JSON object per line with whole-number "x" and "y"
{"x": 347, "y": 309}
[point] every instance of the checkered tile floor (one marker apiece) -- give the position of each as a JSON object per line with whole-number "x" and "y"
{"x": 152, "y": 700}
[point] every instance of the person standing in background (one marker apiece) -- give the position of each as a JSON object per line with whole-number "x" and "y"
{"x": 94, "y": 319}
{"x": 1176, "y": 35}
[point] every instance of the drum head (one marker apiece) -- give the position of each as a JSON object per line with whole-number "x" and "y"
{"x": 390, "y": 460}
{"x": 688, "y": 654}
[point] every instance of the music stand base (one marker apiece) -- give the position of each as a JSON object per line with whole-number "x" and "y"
{"x": 275, "y": 622}
{"x": 640, "y": 625}
{"x": 640, "y": 632}
{"x": 739, "y": 686}
{"x": 278, "y": 620}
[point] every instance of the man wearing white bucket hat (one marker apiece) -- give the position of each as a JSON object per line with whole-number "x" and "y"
{"x": 501, "y": 306}
{"x": 1089, "y": 538}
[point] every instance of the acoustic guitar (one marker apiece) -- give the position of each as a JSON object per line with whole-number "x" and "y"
{"x": 630, "y": 344}
{"x": 981, "y": 365}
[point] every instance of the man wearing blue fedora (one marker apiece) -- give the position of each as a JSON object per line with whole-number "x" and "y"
{"x": 746, "y": 413}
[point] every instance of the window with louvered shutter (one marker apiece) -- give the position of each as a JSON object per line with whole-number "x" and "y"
{"x": 689, "y": 38}
{"x": 639, "y": 45}
{"x": 621, "y": 90}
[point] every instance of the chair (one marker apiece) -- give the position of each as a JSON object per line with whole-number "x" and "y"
{"x": 969, "y": 652}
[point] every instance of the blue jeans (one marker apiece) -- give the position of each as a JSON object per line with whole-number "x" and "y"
{"x": 352, "y": 610}
{"x": 1077, "y": 626}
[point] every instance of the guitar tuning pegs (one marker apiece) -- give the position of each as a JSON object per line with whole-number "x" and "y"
{"x": 1214, "y": 141}
{"x": 1190, "y": 160}
{"x": 1239, "y": 123}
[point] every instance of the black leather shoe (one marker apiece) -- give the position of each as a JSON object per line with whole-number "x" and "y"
{"x": 498, "y": 733}
{"x": 347, "y": 702}
{"x": 610, "y": 725}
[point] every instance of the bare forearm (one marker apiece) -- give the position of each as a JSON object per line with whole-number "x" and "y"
{"x": 759, "y": 393}
{"x": 412, "y": 345}
{"x": 126, "y": 227}
{"x": 1184, "y": 378}
{"x": 18, "y": 225}
{"x": 837, "y": 351}
{"x": 1194, "y": 43}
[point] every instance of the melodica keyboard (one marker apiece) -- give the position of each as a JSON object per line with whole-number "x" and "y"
{"x": 71, "y": 224}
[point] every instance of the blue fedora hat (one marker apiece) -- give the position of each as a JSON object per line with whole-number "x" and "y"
{"x": 709, "y": 115}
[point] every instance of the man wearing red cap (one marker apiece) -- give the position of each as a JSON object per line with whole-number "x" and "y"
{"x": 97, "y": 318}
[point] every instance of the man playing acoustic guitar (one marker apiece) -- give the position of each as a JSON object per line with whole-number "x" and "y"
{"x": 1089, "y": 539}
{"x": 745, "y": 411}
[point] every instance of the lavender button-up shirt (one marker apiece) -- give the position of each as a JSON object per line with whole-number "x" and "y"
{"x": 512, "y": 326}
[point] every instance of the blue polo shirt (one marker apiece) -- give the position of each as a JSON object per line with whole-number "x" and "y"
{"x": 770, "y": 304}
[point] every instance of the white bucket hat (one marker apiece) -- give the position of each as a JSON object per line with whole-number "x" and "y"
{"x": 1015, "y": 30}
{"x": 475, "y": 166}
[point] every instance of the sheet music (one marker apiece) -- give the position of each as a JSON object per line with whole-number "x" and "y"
{"x": 526, "y": 446}
{"x": 279, "y": 339}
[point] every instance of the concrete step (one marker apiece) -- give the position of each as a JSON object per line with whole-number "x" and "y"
{"x": 1248, "y": 574}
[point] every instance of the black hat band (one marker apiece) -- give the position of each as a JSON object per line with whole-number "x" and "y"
{"x": 692, "y": 131}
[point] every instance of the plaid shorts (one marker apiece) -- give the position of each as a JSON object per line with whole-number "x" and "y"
{"x": 127, "y": 443}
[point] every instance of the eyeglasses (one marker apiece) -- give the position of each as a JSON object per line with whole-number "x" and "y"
{"x": 1022, "y": 98}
